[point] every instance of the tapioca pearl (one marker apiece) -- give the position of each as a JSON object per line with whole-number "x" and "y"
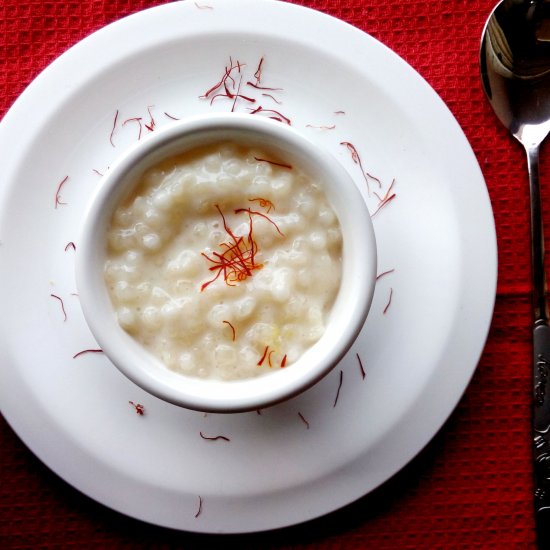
{"x": 203, "y": 372}
{"x": 182, "y": 183}
{"x": 184, "y": 287}
{"x": 121, "y": 240}
{"x": 178, "y": 193}
{"x": 162, "y": 200}
{"x": 132, "y": 257}
{"x": 139, "y": 207}
{"x": 216, "y": 237}
{"x": 300, "y": 244}
{"x": 169, "y": 229}
{"x": 296, "y": 258}
{"x": 262, "y": 334}
{"x": 124, "y": 291}
{"x": 216, "y": 223}
{"x": 233, "y": 167}
{"x": 304, "y": 278}
{"x": 315, "y": 190}
{"x": 159, "y": 295}
{"x": 153, "y": 219}
{"x": 281, "y": 185}
{"x": 158, "y": 261}
{"x": 218, "y": 314}
{"x": 247, "y": 371}
{"x": 334, "y": 237}
{"x": 267, "y": 311}
{"x": 326, "y": 216}
{"x": 322, "y": 263}
{"x": 143, "y": 291}
{"x": 240, "y": 228}
{"x": 173, "y": 329}
{"x": 199, "y": 230}
{"x": 225, "y": 356}
{"x": 290, "y": 332}
{"x": 191, "y": 317}
{"x": 278, "y": 257}
{"x": 132, "y": 273}
{"x": 170, "y": 173}
{"x": 123, "y": 217}
{"x": 248, "y": 355}
{"x": 212, "y": 163}
{"x": 244, "y": 180}
{"x": 317, "y": 240}
{"x": 200, "y": 204}
{"x": 312, "y": 333}
{"x": 187, "y": 263}
{"x": 315, "y": 315}
{"x": 186, "y": 362}
{"x": 293, "y": 352}
{"x": 306, "y": 206}
{"x": 216, "y": 194}
{"x": 324, "y": 286}
{"x": 115, "y": 271}
{"x": 217, "y": 290}
{"x": 266, "y": 232}
{"x": 295, "y": 307}
{"x": 206, "y": 345}
{"x": 153, "y": 177}
{"x": 282, "y": 286}
{"x": 226, "y": 183}
{"x": 208, "y": 341}
{"x": 170, "y": 312}
{"x": 291, "y": 223}
{"x": 191, "y": 305}
{"x": 263, "y": 279}
{"x": 151, "y": 242}
{"x": 151, "y": 318}
{"x": 169, "y": 358}
{"x": 126, "y": 318}
{"x": 202, "y": 188}
{"x": 302, "y": 181}
{"x": 260, "y": 187}
{"x": 141, "y": 228}
{"x": 263, "y": 168}
{"x": 227, "y": 150}
{"x": 227, "y": 373}
{"x": 111, "y": 271}
{"x": 244, "y": 308}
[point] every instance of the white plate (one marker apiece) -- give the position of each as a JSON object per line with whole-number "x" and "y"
{"x": 437, "y": 235}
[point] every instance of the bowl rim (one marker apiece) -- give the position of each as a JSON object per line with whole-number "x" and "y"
{"x": 210, "y": 395}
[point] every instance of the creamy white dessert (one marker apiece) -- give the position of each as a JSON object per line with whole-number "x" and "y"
{"x": 224, "y": 262}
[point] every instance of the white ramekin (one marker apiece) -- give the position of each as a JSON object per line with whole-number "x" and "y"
{"x": 348, "y": 313}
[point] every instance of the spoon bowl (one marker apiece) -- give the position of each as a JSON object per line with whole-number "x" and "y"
{"x": 515, "y": 67}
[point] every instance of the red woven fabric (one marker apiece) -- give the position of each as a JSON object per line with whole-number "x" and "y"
{"x": 471, "y": 487}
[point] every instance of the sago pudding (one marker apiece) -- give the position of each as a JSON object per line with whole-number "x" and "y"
{"x": 224, "y": 262}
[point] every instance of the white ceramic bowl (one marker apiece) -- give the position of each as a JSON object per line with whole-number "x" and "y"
{"x": 348, "y": 313}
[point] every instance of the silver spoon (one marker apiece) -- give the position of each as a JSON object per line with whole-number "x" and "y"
{"x": 515, "y": 70}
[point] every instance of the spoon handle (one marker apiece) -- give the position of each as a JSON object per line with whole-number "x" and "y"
{"x": 541, "y": 432}
{"x": 540, "y": 306}
{"x": 541, "y": 359}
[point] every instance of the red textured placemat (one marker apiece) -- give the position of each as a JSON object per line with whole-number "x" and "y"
{"x": 471, "y": 487}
